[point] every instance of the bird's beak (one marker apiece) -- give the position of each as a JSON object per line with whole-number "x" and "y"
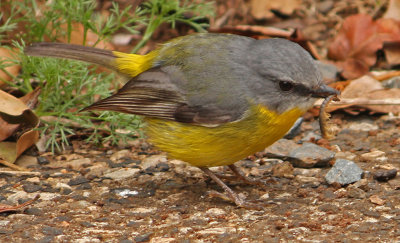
{"x": 324, "y": 91}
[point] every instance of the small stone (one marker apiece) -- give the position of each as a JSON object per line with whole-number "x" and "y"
{"x": 384, "y": 175}
{"x": 311, "y": 155}
{"x": 122, "y": 174}
{"x": 42, "y": 160}
{"x": 354, "y": 192}
{"x": 284, "y": 169}
{"x": 86, "y": 224}
{"x": 324, "y": 7}
{"x": 395, "y": 183}
{"x": 215, "y": 212}
{"x": 34, "y": 180}
{"x": 77, "y": 164}
{"x": 362, "y": 184}
{"x": 77, "y": 181}
{"x": 4, "y": 222}
{"x": 143, "y": 238}
{"x": 311, "y": 136}
{"x": 371, "y": 156}
{"x": 47, "y": 230}
{"x": 120, "y": 154}
{"x": 344, "y": 172}
{"x": 307, "y": 179}
{"x": 17, "y": 196}
{"x": 216, "y": 231}
{"x": 153, "y": 161}
{"x": 62, "y": 186}
{"x": 375, "y": 199}
{"x": 281, "y": 148}
{"x": 363, "y": 126}
{"x": 125, "y": 241}
{"x": 34, "y": 211}
{"x": 31, "y": 188}
{"x": 345, "y": 155}
{"x": 46, "y": 239}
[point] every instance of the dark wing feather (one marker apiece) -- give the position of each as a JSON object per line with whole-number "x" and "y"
{"x": 154, "y": 94}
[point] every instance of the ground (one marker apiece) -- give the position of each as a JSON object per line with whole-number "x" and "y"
{"x": 134, "y": 193}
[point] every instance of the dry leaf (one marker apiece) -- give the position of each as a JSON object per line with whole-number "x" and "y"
{"x": 263, "y": 9}
{"x": 359, "y": 38}
{"x": 368, "y": 93}
{"x": 16, "y": 117}
{"x": 393, "y": 10}
{"x": 11, "y": 69}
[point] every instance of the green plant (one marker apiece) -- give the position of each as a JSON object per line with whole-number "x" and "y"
{"x": 68, "y": 86}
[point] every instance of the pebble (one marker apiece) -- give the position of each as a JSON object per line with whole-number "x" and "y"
{"x": 153, "y": 161}
{"x": 371, "y": 156}
{"x": 384, "y": 175}
{"x": 4, "y": 222}
{"x": 77, "y": 164}
{"x": 281, "y": 148}
{"x": 122, "y": 174}
{"x": 344, "y": 172}
{"x": 395, "y": 183}
{"x": 314, "y": 172}
{"x": 215, "y": 212}
{"x": 310, "y": 155}
{"x": 13, "y": 198}
{"x": 34, "y": 211}
{"x": 31, "y": 188}
{"x": 311, "y": 136}
{"x": 345, "y": 155}
{"x": 33, "y": 180}
{"x": 354, "y": 192}
{"x": 375, "y": 199}
{"x": 42, "y": 160}
{"x": 217, "y": 231}
{"x": 144, "y": 237}
{"x": 363, "y": 126}
{"x": 120, "y": 154}
{"x": 284, "y": 169}
{"x": 48, "y": 230}
{"x": 78, "y": 180}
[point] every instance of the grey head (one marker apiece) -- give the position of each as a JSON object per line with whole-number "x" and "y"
{"x": 285, "y": 76}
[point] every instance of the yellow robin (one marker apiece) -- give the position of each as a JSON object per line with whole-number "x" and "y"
{"x": 209, "y": 99}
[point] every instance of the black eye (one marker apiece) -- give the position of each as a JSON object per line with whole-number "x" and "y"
{"x": 285, "y": 85}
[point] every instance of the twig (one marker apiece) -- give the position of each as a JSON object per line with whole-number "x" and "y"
{"x": 362, "y": 101}
{"x": 12, "y": 166}
{"x": 6, "y": 208}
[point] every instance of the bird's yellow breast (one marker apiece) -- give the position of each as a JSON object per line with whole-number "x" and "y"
{"x": 223, "y": 145}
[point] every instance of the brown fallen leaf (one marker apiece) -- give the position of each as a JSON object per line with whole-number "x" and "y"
{"x": 393, "y": 10}
{"x": 17, "y": 119}
{"x": 11, "y": 69}
{"x": 264, "y": 9}
{"x": 368, "y": 93}
{"x": 360, "y": 37}
{"x": 8, "y": 208}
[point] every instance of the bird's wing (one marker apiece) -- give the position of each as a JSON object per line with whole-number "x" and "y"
{"x": 154, "y": 94}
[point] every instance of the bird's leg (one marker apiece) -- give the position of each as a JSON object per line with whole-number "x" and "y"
{"x": 245, "y": 178}
{"x": 230, "y": 194}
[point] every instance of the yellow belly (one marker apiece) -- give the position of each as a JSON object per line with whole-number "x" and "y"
{"x": 223, "y": 145}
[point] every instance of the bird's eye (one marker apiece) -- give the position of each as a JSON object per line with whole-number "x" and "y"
{"x": 285, "y": 85}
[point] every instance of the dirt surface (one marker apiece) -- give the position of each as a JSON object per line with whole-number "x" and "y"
{"x": 134, "y": 194}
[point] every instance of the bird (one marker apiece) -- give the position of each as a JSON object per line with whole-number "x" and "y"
{"x": 209, "y": 99}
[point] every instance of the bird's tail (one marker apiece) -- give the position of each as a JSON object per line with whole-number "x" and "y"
{"x": 130, "y": 64}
